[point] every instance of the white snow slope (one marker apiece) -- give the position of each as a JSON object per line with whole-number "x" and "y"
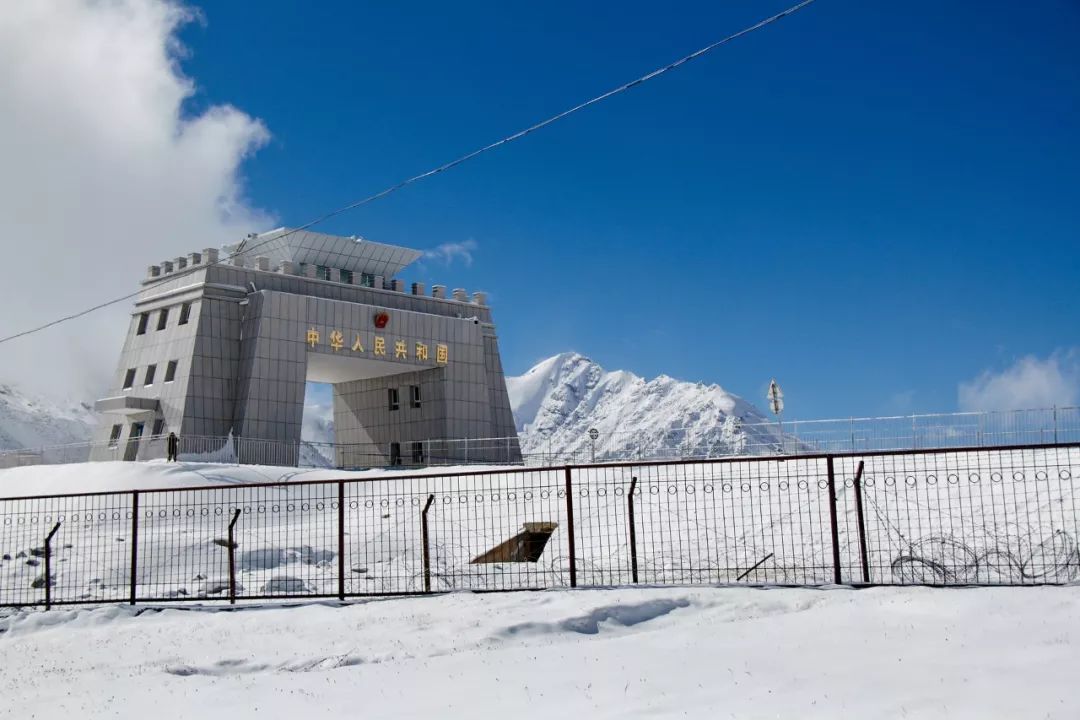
{"x": 650, "y": 652}
{"x": 557, "y": 401}
{"x": 29, "y": 420}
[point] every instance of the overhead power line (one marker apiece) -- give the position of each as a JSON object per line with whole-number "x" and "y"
{"x": 245, "y": 248}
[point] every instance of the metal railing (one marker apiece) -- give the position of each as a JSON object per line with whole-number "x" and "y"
{"x": 799, "y": 437}
{"x": 198, "y": 448}
{"x": 983, "y": 516}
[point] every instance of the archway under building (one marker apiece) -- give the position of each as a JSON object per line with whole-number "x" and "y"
{"x": 363, "y": 412}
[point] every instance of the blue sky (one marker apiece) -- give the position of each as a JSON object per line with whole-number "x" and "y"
{"x": 871, "y": 202}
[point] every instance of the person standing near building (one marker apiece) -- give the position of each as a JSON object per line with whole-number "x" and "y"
{"x": 172, "y": 445}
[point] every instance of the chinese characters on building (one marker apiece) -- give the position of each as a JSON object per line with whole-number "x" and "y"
{"x": 402, "y": 350}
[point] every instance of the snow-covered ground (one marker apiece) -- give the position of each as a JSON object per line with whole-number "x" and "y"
{"x": 122, "y": 476}
{"x": 656, "y": 653}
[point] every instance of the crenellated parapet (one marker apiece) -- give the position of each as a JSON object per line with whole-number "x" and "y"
{"x": 311, "y": 271}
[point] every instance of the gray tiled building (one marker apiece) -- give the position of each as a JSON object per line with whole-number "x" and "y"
{"x": 219, "y": 349}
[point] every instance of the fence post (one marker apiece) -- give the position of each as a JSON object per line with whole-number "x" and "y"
{"x": 570, "y": 526}
{"x": 633, "y": 531}
{"x": 424, "y": 539}
{"x": 833, "y": 523}
{"x": 862, "y": 524}
{"x": 341, "y": 539}
{"x": 232, "y": 565}
{"x": 48, "y": 566}
{"x": 134, "y": 543}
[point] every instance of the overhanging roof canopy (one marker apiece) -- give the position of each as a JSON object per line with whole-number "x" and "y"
{"x": 312, "y": 248}
{"x": 126, "y": 405}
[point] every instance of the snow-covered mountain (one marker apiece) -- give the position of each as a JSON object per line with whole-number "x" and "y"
{"x": 559, "y": 400}
{"x": 318, "y": 425}
{"x": 29, "y": 420}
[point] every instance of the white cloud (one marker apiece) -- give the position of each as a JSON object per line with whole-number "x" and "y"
{"x": 448, "y": 252}
{"x": 102, "y": 174}
{"x": 1028, "y": 383}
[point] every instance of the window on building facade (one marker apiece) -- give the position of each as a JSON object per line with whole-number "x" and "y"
{"x": 159, "y": 427}
{"x": 185, "y": 313}
{"x": 322, "y": 272}
{"x": 114, "y": 435}
{"x": 129, "y": 378}
{"x": 367, "y": 280}
{"x": 418, "y": 453}
{"x": 170, "y": 371}
{"x": 414, "y": 395}
{"x": 149, "y": 378}
{"x": 163, "y": 318}
{"x": 347, "y": 276}
{"x": 395, "y": 453}
{"x": 392, "y": 393}
{"x": 144, "y": 320}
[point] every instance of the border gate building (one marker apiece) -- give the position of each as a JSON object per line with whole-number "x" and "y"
{"x": 223, "y": 350}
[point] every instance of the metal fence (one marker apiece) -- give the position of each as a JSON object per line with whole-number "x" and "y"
{"x": 199, "y": 448}
{"x": 799, "y": 437}
{"x": 1003, "y": 515}
{"x": 802, "y": 437}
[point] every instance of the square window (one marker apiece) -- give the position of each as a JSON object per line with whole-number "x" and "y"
{"x": 150, "y": 370}
{"x": 129, "y": 378}
{"x": 185, "y": 314}
{"x": 414, "y": 395}
{"x": 159, "y": 427}
{"x": 163, "y": 318}
{"x": 170, "y": 371}
{"x": 393, "y": 396}
{"x": 347, "y": 276}
{"x": 114, "y": 435}
{"x": 144, "y": 320}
